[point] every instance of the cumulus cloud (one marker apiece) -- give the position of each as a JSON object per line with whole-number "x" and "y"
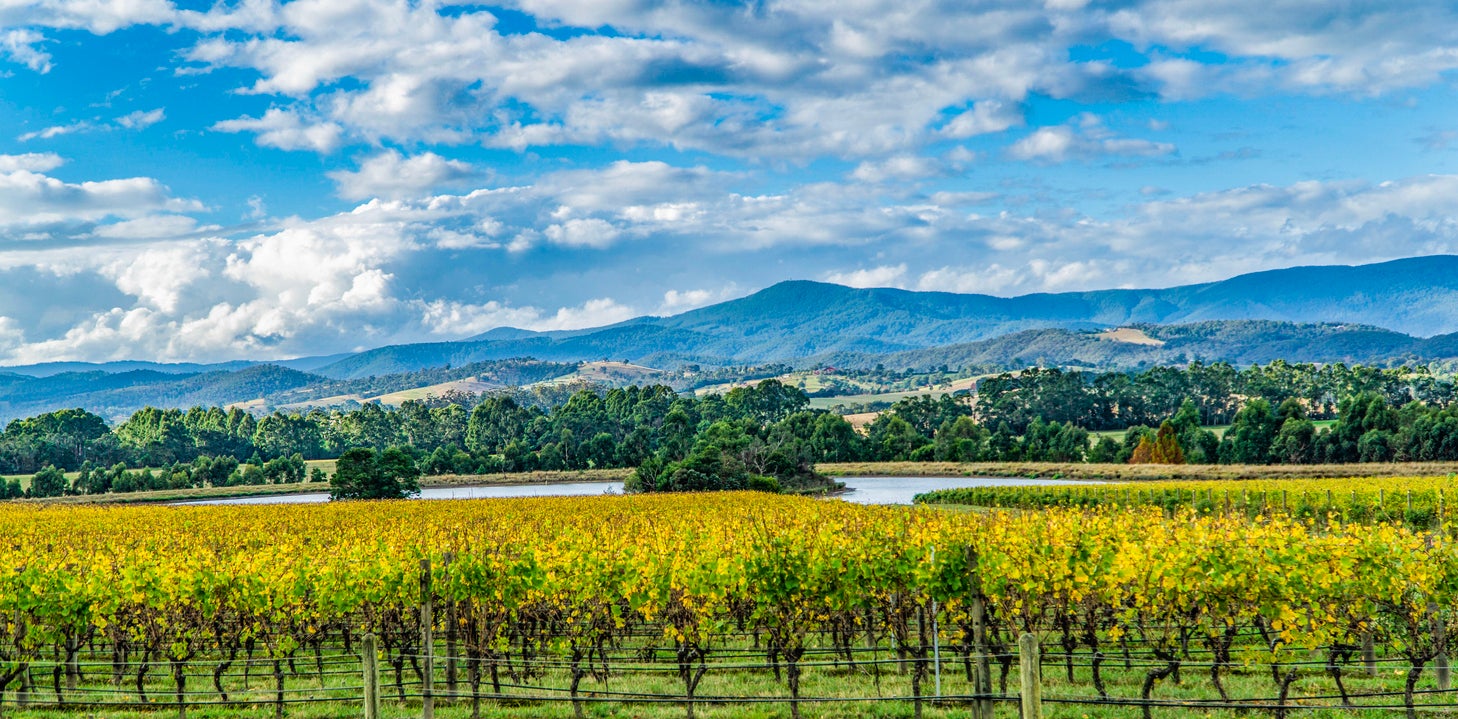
{"x": 23, "y": 46}
{"x": 809, "y": 80}
{"x": 32, "y": 200}
{"x": 677, "y": 301}
{"x": 286, "y": 130}
{"x": 876, "y": 79}
{"x": 1087, "y": 139}
{"x": 985, "y": 117}
{"x": 31, "y": 162}
{"x": 141, "y": 119}
{"x": 1365, "y": 48}
{"x": 899, "y": 168}
{"x": 883, "y": 276}
{"x": 814, "y": 80}
{"x": 380, "y": 272}
{"x": 392, "y": 175}
{"x": 580, "y": 232}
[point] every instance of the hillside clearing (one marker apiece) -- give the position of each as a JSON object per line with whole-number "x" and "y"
{"x": 1131, "y": 336}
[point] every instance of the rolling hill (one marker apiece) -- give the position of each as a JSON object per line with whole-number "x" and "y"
{"x": 1406, "y": 310}
{"x": 796, "y": 320}
{"x": 1240, "y": 342}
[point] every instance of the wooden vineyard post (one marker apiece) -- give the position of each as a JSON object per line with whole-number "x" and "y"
{"x": 370, "y": 660}
{"x": 936, "y": 636}
{"x": 451, "y": 648}
{"x": 1442, "y": 672}
{"x": 1030, "y": 671}
{"x": 1369, "y": 654}
{"x": 982, "y": 679}
{"x": 427, "y": 644}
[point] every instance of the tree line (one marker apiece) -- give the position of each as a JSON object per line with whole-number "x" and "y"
{"x": 765, "y": 436}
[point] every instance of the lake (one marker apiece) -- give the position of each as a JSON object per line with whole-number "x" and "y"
{"x": 861, "y": 490}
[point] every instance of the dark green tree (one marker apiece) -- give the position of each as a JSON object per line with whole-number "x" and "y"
{"x": 1252, "y": 436}
{"x": 363, "y": 473}
{"x": 49, "y": 482}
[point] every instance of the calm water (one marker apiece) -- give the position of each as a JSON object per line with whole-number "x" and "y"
{"x": 900, "y": 490}
{"x": 862, "y": 490}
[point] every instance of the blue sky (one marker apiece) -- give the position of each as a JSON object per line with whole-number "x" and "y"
{"x": 258, "y": 179}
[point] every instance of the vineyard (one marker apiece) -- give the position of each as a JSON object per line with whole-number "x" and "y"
{"x": 724, "y": 605}
{"x": 1420, "y": 502}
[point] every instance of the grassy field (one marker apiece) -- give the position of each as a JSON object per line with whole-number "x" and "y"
{"x": 263, "y": 490}
{"x": 326, "y": 465}
{"x": 742, "y": 672}
{"x": 1218, "y": 429}
{"x": 1134, "y": 472}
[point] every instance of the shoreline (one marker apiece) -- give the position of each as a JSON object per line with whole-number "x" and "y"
{"x": 835, "y": 471}
{"x": 166, "y": 496}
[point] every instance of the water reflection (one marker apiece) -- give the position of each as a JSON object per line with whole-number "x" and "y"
{"x": 861, "y": 490}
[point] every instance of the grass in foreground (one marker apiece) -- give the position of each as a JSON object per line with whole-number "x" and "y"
{"x": 1314, "y": 691}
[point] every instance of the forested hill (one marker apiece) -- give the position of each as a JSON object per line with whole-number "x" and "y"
{"x": 792, "y": 321}
{"x": 1239, "y": 342}
{"x": 1397, "y": 312}
{"x": 115, "y": 395}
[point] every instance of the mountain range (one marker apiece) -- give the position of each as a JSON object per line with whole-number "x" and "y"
{"x": 1404, "y": 310}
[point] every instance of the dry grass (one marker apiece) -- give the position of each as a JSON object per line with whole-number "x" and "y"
{"x": 1129, "y": 335}
{"x": 1134, "y": 472}
{"x": 514, "y": 478}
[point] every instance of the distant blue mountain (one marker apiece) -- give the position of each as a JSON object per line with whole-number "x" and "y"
{"x": 800, "y": 319}
{"x": 48, "y": 369}
{"x": 1399, "y": 311}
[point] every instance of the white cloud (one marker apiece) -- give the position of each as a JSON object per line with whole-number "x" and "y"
{"x": 1088, "y": 140}
{"x": 878, "y": 78}
{"x": 900, "y": 168}
{"x": 158, "y": 276}
{"x": 149, "y": 227}
{"x": 883, "y": 276}
{"x": 677, "y": 301}
{"x": 31, "y": 199}
{"x": 58, "y": 130}
{"x": 97, "y": 17}
{"x": 285, "y": 130}
{"x": 986, "y": 117}
{"x": 590, "y": 232}
{"x": 1366, "y": 47}
{"x": 141, "y": 119}
{"x": 31, "y": 162}
{"x": 138, "y": 120}
{"x": 593, "y": 313}
{"x": 383, "y": 272}
{"x": 391, "y": 175}
{"x": 23, "y": 46}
